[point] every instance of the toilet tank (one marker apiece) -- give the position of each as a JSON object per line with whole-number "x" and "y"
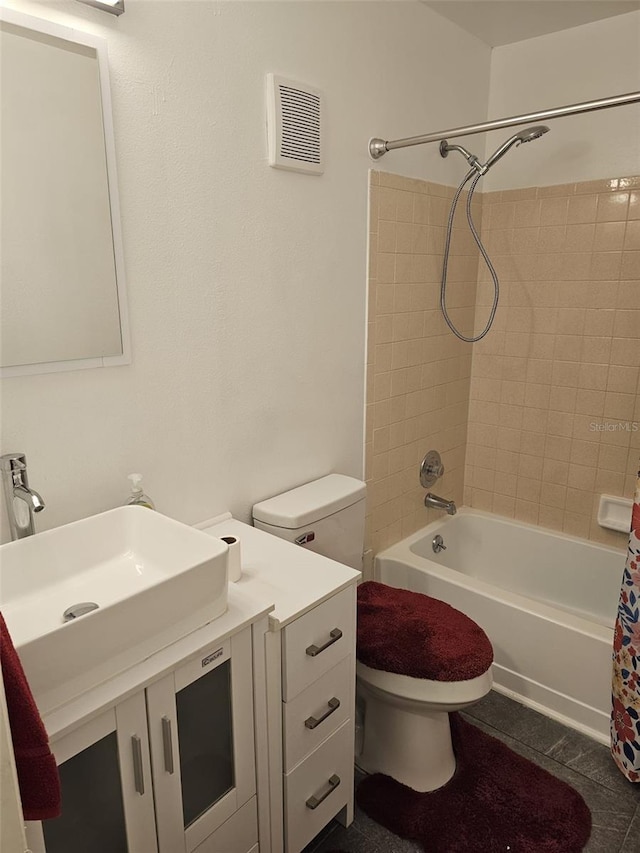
{"x": 325, "y": 516}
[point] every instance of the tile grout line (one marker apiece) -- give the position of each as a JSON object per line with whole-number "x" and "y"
{"x": 635, "y": 815}
{"x": 549, "y": 757}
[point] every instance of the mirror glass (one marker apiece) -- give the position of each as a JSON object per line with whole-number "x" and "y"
{"x": 61, "y": 289}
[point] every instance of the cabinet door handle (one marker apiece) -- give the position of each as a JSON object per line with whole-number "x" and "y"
{"x": 138, "y": 772}
{"x": 314, "y": 801}
{"x": 167, "y": 744}
{"x": 334, "y": 636}
{"x": 312, "y": 722}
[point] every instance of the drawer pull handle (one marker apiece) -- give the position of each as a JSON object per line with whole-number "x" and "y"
{"x": 313, "y": 802}
{"x": 312, "y": 722}
{"x": 334, "y": 636}
{"x": 138, "y": 773}
{"x": 167, "y": 745}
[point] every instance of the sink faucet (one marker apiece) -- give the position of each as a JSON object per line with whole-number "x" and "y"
{"x": 16, "y": 486}
{"x": 434, "y": 502}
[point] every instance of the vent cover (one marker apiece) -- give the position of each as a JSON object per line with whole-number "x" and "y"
{"x": 294, "y": 121}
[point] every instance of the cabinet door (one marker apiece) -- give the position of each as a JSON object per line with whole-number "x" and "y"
{"x": 105, "y": 774}
{"x": 202, "y": 744}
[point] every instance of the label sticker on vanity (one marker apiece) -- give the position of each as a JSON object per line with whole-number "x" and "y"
{"x": 213, "y": 656}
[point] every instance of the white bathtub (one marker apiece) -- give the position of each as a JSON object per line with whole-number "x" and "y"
{"x": 547, "y": 601}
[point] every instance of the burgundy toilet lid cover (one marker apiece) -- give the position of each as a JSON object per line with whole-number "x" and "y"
{"x": 413, "y": 634}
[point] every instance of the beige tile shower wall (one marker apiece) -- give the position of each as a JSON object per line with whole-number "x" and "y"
{"x": 418, "y": 373}
{"x": 554, "y": 414}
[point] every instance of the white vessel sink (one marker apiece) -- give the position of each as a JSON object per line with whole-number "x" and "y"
{"x": 154, "y": 581}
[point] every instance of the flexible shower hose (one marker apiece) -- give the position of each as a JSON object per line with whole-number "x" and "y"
{"x": 447, "y": 245}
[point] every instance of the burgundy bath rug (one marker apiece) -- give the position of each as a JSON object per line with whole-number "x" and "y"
{"x": 497, "y": 802}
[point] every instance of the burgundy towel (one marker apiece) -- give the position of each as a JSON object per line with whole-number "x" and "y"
{"x": 413, "y": 634}
{"x": 37, "y": 771}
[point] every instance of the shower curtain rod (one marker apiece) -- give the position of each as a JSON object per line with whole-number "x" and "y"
{"x": 378, "y": 147}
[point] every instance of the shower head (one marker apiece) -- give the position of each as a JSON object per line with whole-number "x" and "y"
{"x": 526, "y": 135}
{"x": 530, "y": 133}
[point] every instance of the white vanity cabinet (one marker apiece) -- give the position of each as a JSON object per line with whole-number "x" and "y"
{"x": 168, "y": 769}
{"x": 310, "y": 683}
{"x": 105, "y": 775}
{"x": 202, "y": 745}
{"x": 318, "y": 698}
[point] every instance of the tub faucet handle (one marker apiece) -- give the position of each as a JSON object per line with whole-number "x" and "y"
{"x": 438, "y": 544}
{"x": 431, "y": 469}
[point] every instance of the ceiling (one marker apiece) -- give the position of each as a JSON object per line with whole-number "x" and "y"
{"x": 498, "y": 22}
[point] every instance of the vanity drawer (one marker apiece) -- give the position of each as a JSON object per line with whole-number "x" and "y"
{"x": 315, "y": 642}
{"x": 317, "y": 712}
{"x": 318, "y": 788}
{"x": 239, "y": 834}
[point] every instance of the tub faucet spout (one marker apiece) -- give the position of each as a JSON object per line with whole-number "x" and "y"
{"x": 432, "y": 501}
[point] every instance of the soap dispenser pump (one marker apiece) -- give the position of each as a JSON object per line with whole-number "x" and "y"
{"x": 138, "y": 497}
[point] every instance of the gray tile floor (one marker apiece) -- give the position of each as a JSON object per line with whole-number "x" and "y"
{"x": 572, "y": 757}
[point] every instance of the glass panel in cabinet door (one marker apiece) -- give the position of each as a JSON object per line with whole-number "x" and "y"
{"x": 92, "y": 808}
{"x": 205, "y": 735}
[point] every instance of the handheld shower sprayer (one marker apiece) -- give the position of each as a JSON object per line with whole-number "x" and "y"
{"x": 527, "y": 135}
{"x": 477, "y": 170}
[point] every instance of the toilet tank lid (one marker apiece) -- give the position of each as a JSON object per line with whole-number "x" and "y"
{"x": 311, "y": 502}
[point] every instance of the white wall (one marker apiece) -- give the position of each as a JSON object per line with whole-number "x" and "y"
{"x": 584, "y": 63}
{"x": 246, "y": 284}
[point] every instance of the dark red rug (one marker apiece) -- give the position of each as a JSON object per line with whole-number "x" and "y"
{"x": 497, "y": 802}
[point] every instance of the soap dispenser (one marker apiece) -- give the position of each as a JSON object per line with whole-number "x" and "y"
{"x": 138, "y": 497}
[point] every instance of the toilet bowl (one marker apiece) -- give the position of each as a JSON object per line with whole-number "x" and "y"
{"x": 445, "y": 660}
{"x": 406, "y": 724}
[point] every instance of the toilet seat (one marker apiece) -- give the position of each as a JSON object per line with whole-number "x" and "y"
{"x": 443, "y": 695}
{"x": 409, "y": 634}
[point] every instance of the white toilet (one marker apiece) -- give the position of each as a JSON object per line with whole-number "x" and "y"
{"x": 418, "y": 659}
{"x": 406, "y": 726}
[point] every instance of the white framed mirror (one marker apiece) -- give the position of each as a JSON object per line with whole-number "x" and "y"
{"x": 62, "y": 284}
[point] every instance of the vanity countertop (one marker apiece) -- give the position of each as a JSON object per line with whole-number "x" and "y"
{"x": 274, "y": 570}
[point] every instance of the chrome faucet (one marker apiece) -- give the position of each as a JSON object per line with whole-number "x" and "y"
{"x": 432, "y": 501}
{"x": 16, "y": 486}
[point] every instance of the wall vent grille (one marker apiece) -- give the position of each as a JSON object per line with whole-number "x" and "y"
{"x": 295, "y": 115}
